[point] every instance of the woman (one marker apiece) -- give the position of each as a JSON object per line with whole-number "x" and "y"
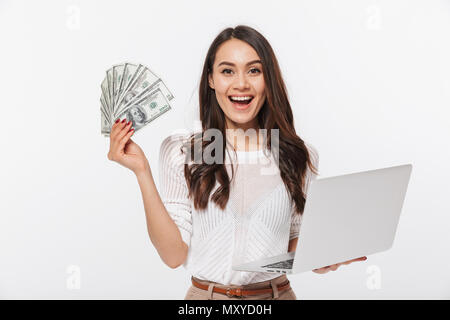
{"x": 205, "y": 220}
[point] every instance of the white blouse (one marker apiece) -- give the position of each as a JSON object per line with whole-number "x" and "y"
{"x": 257, "y": 222}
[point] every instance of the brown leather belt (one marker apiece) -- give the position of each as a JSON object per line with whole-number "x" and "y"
{"x": 238, "y": 292}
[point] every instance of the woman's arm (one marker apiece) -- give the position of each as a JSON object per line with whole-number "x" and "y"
{"x": 292, "y": 245}
{"x": 163, "y": 232}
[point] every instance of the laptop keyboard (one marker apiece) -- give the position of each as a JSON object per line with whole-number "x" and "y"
{"x": 287, "y": 264}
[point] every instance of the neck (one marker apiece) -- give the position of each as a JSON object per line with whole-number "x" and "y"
{"x": 244, "y": 140}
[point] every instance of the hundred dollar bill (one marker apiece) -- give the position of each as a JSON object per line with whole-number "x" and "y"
{"x": 105, "y": 92}
{"x": 145, "y": 110}
{"x": 105, "y": 109}
{"x": 132, "y": 97}
{"x": 159, "y": 85}
{"x": 117, "y": 72}
{"x": 130, "y": 83}
{"x": 104, "y": 106}
{"x": 109, "y": 77}
{"x": 105, "y": 125}
{"x": 132, "y": 91}
{"x": 130, "y": 71}
{"x": 145, "y": 79}
{"x": 105, "y": 118}
{"x": 127, "y": 73}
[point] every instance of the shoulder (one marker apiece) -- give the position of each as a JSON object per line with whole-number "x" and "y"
{"x": 171, "y": 148}
{"x": 174, "y": 140}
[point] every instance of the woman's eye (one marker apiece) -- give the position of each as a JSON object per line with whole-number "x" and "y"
{"x": 229, "y": 71}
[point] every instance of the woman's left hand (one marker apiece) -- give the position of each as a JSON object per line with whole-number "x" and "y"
{"x": 334, "y": 267}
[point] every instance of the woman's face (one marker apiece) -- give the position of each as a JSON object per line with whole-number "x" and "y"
{"x": 237, "y": 74}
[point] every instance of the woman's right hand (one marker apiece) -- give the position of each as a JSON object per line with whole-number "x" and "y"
{"x": 125, "y": 151}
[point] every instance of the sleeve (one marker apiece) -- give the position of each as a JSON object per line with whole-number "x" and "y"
{"x": 296, "y": 219}
{"x": 173, "y": 188}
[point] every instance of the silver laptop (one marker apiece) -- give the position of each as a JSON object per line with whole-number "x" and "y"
{"x": 345, "y": 217}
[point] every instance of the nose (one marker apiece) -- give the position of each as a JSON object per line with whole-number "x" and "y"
{"x": 241, "y": 82}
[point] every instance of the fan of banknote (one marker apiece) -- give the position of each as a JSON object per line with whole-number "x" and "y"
{"x": 133, "y": 92}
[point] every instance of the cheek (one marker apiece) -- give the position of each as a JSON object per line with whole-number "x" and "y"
{"x": 222, "y": 98}
{"x": 259, "y": 86}
{"x": 222, "y": 86}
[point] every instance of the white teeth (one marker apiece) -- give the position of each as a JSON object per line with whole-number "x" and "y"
{"x": 241, "y": 98}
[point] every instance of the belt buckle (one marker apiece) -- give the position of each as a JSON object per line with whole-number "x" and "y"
{"x": 237, "y": 294}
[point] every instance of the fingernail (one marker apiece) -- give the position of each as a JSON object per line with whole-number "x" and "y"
{"x": 117, "y": 120}
{"x": 128, "y": 123}
{"x": 123, "y": 120}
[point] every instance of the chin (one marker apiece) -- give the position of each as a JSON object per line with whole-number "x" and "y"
{"x": 241, "y": 122}
{"x": 241, "y": 119}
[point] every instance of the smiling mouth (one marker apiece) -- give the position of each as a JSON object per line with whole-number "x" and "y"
{"x": 241, "y": 100}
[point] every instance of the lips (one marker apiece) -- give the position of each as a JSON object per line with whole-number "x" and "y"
{"x": 241, "y": 102}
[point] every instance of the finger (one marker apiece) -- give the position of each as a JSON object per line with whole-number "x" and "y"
{"x": 322, "y": 270}
{"x": 354, "y": 260}
{"x": 334, "y": 267}
{"x": 113, "y": 129}
{"x": 116, "y": 128}
{"x": 360, "y": 259}
{"x": 124, "y": 131}
{"x": 319, "y": 271}
{"x": 125, "y": 139}
{"x": 115, "y": 123}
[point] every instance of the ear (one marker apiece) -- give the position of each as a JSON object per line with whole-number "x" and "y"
{"x": 210, "y": 81}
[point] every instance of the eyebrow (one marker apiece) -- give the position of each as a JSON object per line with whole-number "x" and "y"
{"x": 232, "y": 64}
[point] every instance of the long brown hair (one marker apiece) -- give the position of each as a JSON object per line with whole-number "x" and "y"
{"x": 276, "y": 113}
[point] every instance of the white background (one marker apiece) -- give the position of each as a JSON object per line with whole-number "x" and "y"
{"x": 369, "y": 85}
